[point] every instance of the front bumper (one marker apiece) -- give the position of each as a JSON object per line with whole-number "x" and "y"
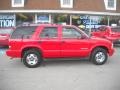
{"x": 111, "y": 51}
{"x": 116, "y": 41}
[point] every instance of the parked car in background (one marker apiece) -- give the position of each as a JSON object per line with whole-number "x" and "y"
{"x": 110, "y": 33}
{"x": 4, "y": 36}
{"x": 34, "y": 43}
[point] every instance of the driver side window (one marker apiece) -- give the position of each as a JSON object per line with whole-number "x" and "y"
{"x": 69, "y": 32}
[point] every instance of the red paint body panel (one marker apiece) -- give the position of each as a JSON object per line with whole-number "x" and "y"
{"x": 4, "y": 41}
{"x": 50, "y": 47}
{"x": 4, "y": 36}
{"x": 14, "y": 53}
{"x": 109, "y": 33}
{"x": 75, "y": 48}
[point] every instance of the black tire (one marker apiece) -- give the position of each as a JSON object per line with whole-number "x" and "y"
{"x": 99, "y": 56}
{"x": 32, "y": 58}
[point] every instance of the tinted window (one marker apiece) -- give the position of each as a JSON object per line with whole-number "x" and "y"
{"x": 117, "y": 29}
{"x": 22, "y": 32}
{"x": 102, "y": 28}
{"x": 70, "y": 33}
{"x": 50, "y": 32}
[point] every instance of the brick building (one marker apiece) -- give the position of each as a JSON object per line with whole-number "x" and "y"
{"x": 90, "y": 13}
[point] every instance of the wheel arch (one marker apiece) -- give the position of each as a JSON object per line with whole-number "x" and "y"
{"x": 95, "y": 51}
{"x": 31, "y": 47}
{"x": 104, "y": 47}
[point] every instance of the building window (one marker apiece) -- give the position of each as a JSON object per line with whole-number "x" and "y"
{"x": 43, "y": 18}
{"x": 61, "y": 19}
{"x": 89, "y": 21}
{"x": 110, "y": 4}
{"x": 66, "y": 3}
{"x": 24, "y": 18}
{"x": 18, "y": 3}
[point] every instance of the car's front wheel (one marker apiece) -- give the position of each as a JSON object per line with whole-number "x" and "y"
{"x": 32, "y": 58}
{"x": 99, "y": 56}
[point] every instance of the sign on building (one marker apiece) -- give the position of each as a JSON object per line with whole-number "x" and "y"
{"x": 43, "y": 18}
{"x": 7, "y": 20}
{"x": 91, "y": 21}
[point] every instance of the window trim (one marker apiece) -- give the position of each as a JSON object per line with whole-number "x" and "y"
{"x": 110, "y": 8}
{"x": 66, "y": 6}
{"x": 17, "y": 5}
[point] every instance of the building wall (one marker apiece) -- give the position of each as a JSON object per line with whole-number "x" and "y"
{"x": 5, "y": 4}
{"x": 90, "y": 13}
{"x": 79, "y": 5}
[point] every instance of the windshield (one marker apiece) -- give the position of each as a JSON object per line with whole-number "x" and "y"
{"x": 5, "y": 31}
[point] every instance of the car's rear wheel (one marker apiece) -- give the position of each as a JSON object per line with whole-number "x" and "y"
{"x": 99, "y": 56}
{"x": 32, "y": 58}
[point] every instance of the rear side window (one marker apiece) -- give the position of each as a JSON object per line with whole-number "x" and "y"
{"x": 22, "y": 32}
{"x": 49, "y": 32}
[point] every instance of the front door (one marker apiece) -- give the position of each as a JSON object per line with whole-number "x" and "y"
{"x": 72, "y": 43}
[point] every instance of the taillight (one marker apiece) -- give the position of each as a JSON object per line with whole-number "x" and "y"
{"x": 9, "y": 46}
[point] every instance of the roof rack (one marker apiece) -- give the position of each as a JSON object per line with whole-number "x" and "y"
{"x": 37, "y": 24}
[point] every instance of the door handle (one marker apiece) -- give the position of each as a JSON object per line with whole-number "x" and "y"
{"x": 39, "y": 41}
{"x": 63, "y": 41}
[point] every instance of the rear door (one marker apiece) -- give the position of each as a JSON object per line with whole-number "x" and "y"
{"x": 49, "y": 42}
{"x": 20, "y": 34}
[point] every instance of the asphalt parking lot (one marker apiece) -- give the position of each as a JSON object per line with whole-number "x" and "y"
{"x": 60, "y": 75}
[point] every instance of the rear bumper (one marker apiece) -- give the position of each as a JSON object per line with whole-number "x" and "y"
{"x": 13, "y": 53}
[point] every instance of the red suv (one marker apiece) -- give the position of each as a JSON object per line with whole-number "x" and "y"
{"x": 110, "y": 33}
{"x": 34, "y": 43}
{"x": 4, "y": 36}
